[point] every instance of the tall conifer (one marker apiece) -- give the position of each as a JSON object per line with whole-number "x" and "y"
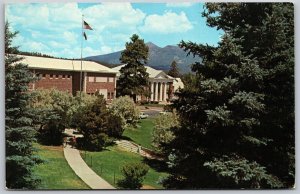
{"x": 133, "y": 78}
{"x": 19, "y": 132}
{"x": 237, "y": 124}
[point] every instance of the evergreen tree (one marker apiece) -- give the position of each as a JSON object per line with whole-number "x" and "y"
{"x": 174, "y": 72}
{"x": 237, "y": 124}
{"x": 19, "y": 132}
{"x": 133, "y": 78}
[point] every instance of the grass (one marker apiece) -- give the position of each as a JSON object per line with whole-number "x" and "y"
{"x": 55, "y": 172}
{"x": 142, "y": 134}
{"x": 110, "y": 161}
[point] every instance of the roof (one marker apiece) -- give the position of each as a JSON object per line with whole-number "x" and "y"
{"x": 153, "y": 73}
{"x": 34, "y": 62}
{"x": 177, "y": 83}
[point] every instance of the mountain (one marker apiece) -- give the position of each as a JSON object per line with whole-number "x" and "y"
{"x": 159, "y": 58}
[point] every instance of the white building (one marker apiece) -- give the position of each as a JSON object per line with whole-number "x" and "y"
{"x": 162, "y": 86}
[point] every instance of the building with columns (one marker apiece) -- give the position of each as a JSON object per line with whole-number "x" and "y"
{"x": 161, "y": 85}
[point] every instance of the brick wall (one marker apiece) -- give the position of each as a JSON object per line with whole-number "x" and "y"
{"x": 69, "y": 81}
{"x": 97, "y": 81}
{"x": 61, "y": 80}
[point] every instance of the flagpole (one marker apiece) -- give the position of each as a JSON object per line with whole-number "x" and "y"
{"x": 81, "y": 56}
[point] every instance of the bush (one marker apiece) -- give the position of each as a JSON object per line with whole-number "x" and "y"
{"x": 134, "y": 174}
{"x": 124, "y": 107}
{"x": 115, "y": 126}
{"x": 53, "y": 113}
{"x": 96, "y": 123}
{"x": 162, "y": 133}
{"x": 80, "y": 102}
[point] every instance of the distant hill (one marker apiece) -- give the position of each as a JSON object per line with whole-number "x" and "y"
{"x": 159, "y": 58}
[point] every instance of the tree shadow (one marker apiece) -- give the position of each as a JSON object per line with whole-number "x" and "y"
{"x": 126, "y": 138}
{"x": 159, "y": 165}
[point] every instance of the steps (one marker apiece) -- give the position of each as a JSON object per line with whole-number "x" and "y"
{"x": 132, "y": 147}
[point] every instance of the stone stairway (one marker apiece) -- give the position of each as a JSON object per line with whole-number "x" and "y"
{"x": 132, "y": 147}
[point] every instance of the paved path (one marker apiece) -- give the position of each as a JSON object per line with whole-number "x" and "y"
{"x": 83, "y": 170}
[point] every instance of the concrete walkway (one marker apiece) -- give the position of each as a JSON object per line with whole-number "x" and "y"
{"x": 83, "y": 170}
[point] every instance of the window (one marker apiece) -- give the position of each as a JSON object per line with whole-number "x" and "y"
{"x": 101, "y": 79}
{"x": 51, "y": 76}
{"x": 91, "y": 79}
{"x": 56, "y": 76}
{"x": 44, "y": 76}
{"x": 68, "y": 76}
{"x": 112, "y": 95}
{"x": 110, "y": 79}
{"x": 108, "y": 95}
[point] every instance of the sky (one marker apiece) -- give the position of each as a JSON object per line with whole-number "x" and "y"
{"x": 55, "y": 28}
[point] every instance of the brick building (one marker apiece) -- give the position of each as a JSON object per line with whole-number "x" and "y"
{"x": 64, "y": 75}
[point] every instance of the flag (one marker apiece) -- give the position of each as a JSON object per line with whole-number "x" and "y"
{"x": 84, "y": 35}
{"x": 87, "y": 26}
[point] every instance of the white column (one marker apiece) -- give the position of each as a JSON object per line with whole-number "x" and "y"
{"x": 152, "y": 91}
{"x": 156, "y": 92}
{"x": 161, "y": 91}
{"x": 165, "y": 91}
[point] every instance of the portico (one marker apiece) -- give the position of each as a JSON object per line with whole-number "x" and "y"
{"x": 161, "y": 85}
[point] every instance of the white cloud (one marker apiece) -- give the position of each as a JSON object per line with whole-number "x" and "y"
{"x": 183, "y": 4}
{"x": 55, "y": 28}
{"x": 112, "y": 16}
{"x": 169, "y": 22}
{"x": 70, "y": 37}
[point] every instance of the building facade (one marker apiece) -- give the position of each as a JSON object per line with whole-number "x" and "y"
{"x": 65, "y": 75}
{"x": 162, "y": 86}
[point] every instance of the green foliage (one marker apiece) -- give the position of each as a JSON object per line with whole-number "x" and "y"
{"x": 53, "y": 110}
{"x": 162, "y": 133}
{"x": 174, "y": 72}
{"x": 96, "y": 122}
{"x": 134, "y": 174}
{"x": 236, "y": 172}
{"x": 19, "y": 130}
{"x": 133, "y": 78}
{"x": 237, "y": 113}
{"x": 125, "y": 108}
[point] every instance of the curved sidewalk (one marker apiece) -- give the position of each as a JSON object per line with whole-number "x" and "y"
{"x": 83, "y": 170}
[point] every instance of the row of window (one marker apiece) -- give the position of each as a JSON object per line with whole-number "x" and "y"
{"x": 53, "y": 76}
{"x": 100, "y": 79}
{"x": 110, "y": 95}
{"x": 90, "y": 78}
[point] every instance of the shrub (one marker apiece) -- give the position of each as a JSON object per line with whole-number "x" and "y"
{"x": 125, "y": 108}
{"x": 162, "y": 133}
{"x": 96, "y": 123}
{"x": 53, "y": 113}
{"x": 134, "y": 174}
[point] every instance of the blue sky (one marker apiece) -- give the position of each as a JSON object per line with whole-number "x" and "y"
{"x": 55, "y": 28}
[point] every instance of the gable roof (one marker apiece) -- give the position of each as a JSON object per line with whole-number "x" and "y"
{"x": 34, "y": 62}
{"x": 153, "y": 73}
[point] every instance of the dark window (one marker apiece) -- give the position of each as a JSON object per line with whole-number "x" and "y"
{"x": 51, "y": 75}
{"x": 112, "y": 95}
{"x": 68, "y": 76}
{"x": 44, "y": 75}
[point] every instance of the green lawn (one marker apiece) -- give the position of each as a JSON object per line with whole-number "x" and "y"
{"x": 110, "y": 161}
{"x": 142, "y": 134}
{"x": 55, "y": 172}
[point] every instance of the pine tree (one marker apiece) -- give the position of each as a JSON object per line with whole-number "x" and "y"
{"x": 133, "y": 78}
{"x": 237, "y": 124}
{"x": 19, "y": 132}
{"x": 174, "y": 72}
